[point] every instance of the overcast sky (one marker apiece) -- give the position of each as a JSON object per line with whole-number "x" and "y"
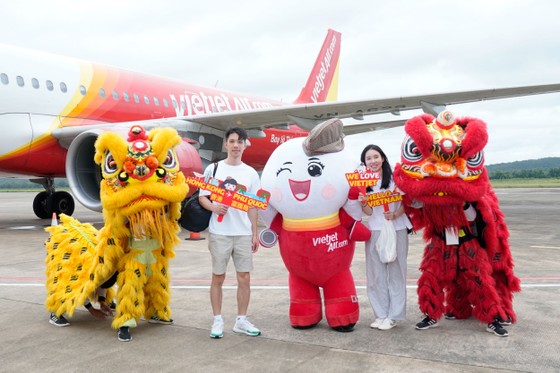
{"x": 267, "y": 48}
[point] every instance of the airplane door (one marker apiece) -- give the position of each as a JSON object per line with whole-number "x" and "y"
{"x": 16, "y": 140}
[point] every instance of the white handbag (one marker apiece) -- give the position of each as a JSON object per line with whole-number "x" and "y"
{"x": 386, "y": 244}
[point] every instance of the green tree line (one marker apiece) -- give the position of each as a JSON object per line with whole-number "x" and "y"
{"x": 533, "y": 173}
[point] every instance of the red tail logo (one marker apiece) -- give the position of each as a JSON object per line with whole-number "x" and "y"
{"x": 322, "y": 84}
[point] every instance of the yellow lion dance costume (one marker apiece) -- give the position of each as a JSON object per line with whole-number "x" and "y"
{"x": 141, "y": 194}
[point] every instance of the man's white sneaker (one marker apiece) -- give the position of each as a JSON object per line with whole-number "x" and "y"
{"x": 244, "y": 326}
{"x": 376, "y": 323}
{"x": 217, "y": 329}
{"x": 387, "y": 324}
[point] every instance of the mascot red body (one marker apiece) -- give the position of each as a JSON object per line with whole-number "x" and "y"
{"x": 467, "y": 268}
{"x": 317, "y": 218}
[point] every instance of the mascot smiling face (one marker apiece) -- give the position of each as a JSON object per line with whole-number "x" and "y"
{"x": 305, "y": 186}
{"x": 316, "y": 216}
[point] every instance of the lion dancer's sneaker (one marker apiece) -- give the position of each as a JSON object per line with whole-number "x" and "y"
{"x": 427, "y": 323}
{"x": 123, "y": 334}
{"x": 496, "y": 328}
{"x": 157, "y": 320}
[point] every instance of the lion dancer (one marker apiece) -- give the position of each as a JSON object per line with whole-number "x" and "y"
{"x": 141, "y": 194}
{"x": 467, "y": 267}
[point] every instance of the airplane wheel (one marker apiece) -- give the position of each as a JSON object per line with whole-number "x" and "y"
{"x": 40, "y": 207}
{"x": 63, "y": 203}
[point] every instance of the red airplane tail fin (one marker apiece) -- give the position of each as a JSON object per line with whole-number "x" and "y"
{"x": 322, "y": 84}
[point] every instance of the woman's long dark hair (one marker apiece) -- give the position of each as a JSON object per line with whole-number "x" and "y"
{"x": 385, "y": 166}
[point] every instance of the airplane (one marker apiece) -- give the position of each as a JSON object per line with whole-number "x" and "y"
{"x": 53, "y": 108}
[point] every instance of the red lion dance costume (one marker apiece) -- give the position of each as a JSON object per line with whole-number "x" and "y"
{"x": 467, "y": 268}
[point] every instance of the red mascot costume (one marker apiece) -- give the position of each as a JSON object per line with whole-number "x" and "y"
{"x": 467, "y": 268}
{"x": 317, "y": 218}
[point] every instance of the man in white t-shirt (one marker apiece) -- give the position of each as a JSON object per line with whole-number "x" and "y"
{"x": 232, "y": 234}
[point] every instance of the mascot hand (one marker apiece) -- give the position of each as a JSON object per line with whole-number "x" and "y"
{"x": 268, "y": 238}
{"x": 360, "y": 232}
{"x": 353, "y": 193}
{"x": 354, "y": 206}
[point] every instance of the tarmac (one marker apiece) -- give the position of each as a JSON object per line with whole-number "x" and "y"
{"x": 29, "y": 343}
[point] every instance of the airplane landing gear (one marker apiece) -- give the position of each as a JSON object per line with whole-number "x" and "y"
{"x": 49, "y": 201}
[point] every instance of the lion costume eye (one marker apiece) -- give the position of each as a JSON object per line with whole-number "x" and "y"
{"x": 476, "y": 160}
{"x": 110, "y": 165}
{"x": 170, "y": 160}
{"x": 410, "y": 151}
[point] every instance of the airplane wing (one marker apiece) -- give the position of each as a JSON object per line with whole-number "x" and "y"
{"x": 352, "y": 129}
{"x": 308, "y": 115}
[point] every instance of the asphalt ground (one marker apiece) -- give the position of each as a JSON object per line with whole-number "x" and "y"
{"x": 29, "y": 343}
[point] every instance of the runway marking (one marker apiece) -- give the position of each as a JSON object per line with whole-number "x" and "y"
{"x": 545, "y": 247}
{"x": 27, "y": 227}
{"x": 269, "y": 287}
{"x": 262, "y": 281}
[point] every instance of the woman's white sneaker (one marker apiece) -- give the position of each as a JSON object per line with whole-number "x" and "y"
{"x": 387, "y": 324}
{"x": 376, "y": 323}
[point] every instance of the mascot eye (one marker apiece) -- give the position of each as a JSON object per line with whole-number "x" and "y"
{"x": 110, "y": 165}
{"x": 284, "y": 168}
{"x": 410, "y": 151}
{"x": 315, "y": 169}
{"x": 170, "y": 161}
{"x": 476, "y": 160}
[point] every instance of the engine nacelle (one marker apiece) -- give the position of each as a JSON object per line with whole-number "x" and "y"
{"x": 84, "y": 176}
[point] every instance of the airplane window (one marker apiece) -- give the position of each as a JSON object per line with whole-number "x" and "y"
{"x": 156, "y": 101}
{"x": 50, "y": 85}
{"x": 63, "y": 87}
{"x": 174, "y": 102}
{"x": 20, "y": 81}
{"x": 126, "y": 96}
{"x": 115, "y": 95}
{"x": 136, "y": 98}
{"x": 147, "y": 100}
{"x": 4, "y": 78}
{"x": 35, "y": 83}
{"x": 102, "y": 93}
{"x": 83, "y": 90}
{"x": 183, "y": 105}
{"x": 165, "y": 103}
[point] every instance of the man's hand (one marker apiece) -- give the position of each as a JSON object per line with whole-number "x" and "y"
{"x": 98, "y": 314}
{"x": 104, "y": 307}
